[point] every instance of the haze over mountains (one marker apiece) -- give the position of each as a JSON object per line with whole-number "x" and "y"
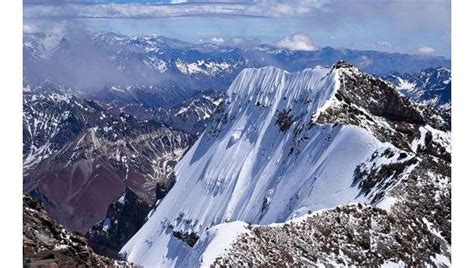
{"x": 200, "y": 140}
{"x": 150, "y": 72}
{"x": 123, "y": 60}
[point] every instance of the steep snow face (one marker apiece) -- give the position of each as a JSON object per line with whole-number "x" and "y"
{"x": 262, "y": 161}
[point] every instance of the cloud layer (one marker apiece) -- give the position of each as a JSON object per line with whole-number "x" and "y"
{"x": 382, "y": 45}
{"x": 426, "y": 50}
{"x": 297, "y": 41}
{"x": 337, "y": 23}
{"x": 136, "y": 10}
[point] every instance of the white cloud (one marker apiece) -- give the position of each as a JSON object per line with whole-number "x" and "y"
{"x": 207, "y": 33}
{"x": 382, "y": 44}
{"x": 29, "y": 28}
{"x": 217, "y": 40}
{"x": 267, "y": 8}
{"x": 365, "y": 61}
{"x": 299, "y": 41}
{"x": 240, "y": 41}
{"x": 426, "y": 50}
{"x": 237, "y": 41}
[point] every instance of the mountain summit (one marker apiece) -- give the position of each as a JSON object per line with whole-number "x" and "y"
{"x": 283, "y": 145}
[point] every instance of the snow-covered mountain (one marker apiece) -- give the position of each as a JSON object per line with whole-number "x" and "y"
{"x": 79, "y": 159}
{"x": 431, "y": 87}
{"x": 82, "y": 136}
{"x": 144, "y": 68}
{"x": 192, "y": 116}
{"x": 283, "y": 145}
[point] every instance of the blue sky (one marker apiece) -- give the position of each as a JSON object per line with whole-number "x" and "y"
{"x": 409, "y": 26}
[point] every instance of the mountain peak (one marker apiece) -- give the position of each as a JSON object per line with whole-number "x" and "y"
{"x": 342, "y": 64}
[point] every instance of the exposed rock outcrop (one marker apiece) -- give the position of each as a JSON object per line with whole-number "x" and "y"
{"x": 47, "y": 244}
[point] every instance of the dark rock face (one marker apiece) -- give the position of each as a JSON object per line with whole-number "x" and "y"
{"x": 284, "y": 120}
{"x": 124, "y": 218}
{"x": 189, "y": 238}
{"x": 365, "y": 101}
{"x": 377, "y": 97}
{"x": 47, "y": 244}
{"x": 369, "y": 179}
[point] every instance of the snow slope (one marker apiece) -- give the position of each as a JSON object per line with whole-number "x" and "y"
{"x": 214, "y": 243}
{"x": 262, "y": 161}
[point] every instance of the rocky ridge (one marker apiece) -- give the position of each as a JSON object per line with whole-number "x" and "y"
{"x": 47, "y": 244}
{"x": 349, "y": 137}
{"x": 408, "y": 219}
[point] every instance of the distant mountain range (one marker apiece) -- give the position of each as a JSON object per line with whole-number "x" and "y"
{"x": 79, "y": 159}
{"x": 430, "y": 87}
{"x": 145, "y": 68}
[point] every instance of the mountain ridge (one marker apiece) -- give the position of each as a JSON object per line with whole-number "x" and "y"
{"x": 347, "y": 136}
{"x": 73, "y": 148}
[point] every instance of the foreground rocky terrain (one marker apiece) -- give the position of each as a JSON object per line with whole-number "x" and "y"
{"x": 344, "y": 236}
{"x": 47, "y": 244}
